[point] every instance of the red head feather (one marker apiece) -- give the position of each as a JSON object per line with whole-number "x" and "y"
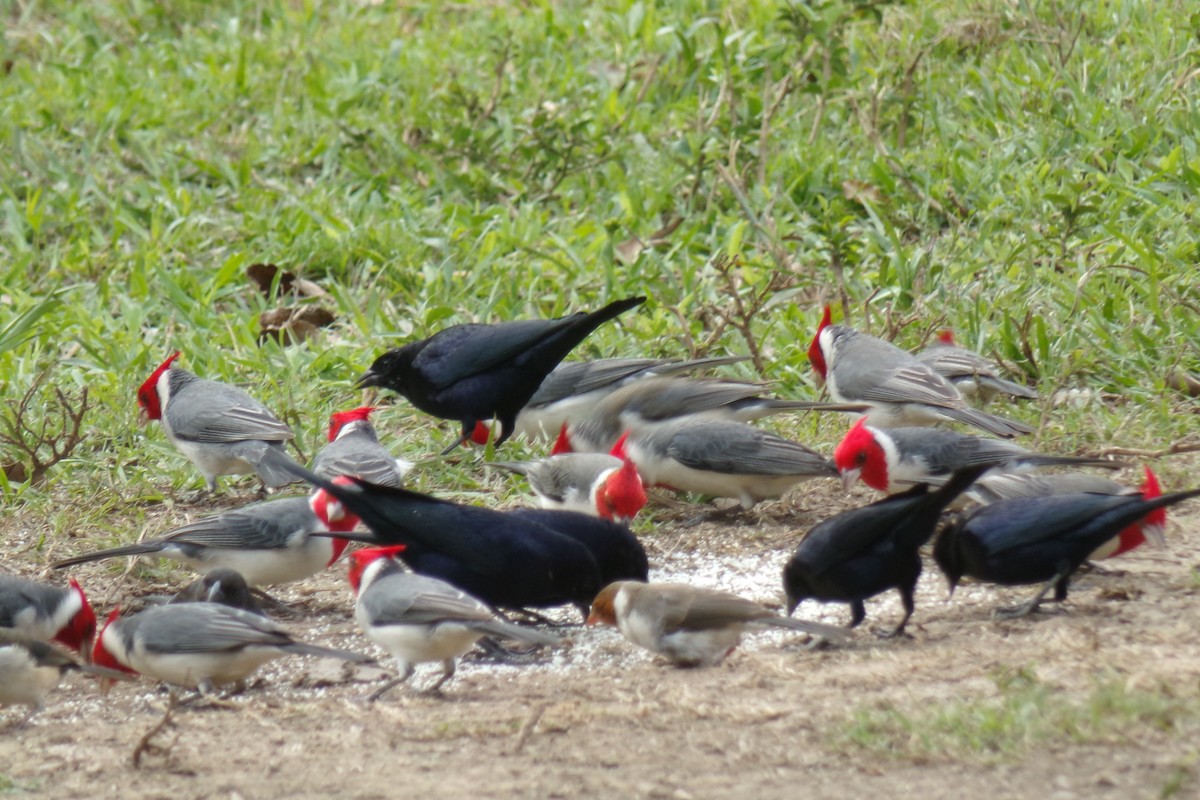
{"x": 340, "y": 419}
{"x": 147, "y": 393}
{"x": 360, "y": 559}
{"x": 1154, "y": 523}
{"x": 563, "y": 443}
{"x": 618, "y": 449}
{"x": 100, "y": 655}
{"x": 80, "y": 629}
{"x": 946, "y": 337}
{"x": 481, "y": 433}
{"x": 815, "y": 356}
{"x": 859, "y": 449}
{"x": 622, "y": 495}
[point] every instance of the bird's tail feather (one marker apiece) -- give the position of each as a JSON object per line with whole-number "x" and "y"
{"x": 988, "y": 422}
{"x": 300, "y": 648}
{"x": 140, "y": 549}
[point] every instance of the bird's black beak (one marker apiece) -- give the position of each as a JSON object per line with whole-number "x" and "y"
{"x": 368, "y": 378}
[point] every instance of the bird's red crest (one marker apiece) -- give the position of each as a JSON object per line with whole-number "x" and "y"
{"x": 619, "y": 449}
{"x": 815, "y": 356}
{"x": 563, "y": 443}
{"x": 1151, "y": 490}
{"x": 79, "y": 631}
{"x": 340, "y": 419}
{"x": 623, "y": 494}
{"x": 946, "y": 337}
{"x": 859, "y": 449}
{"x": 481, "y": 433}
{"x": 147, "y": 393}
{"x": 361, "y": 559}
{"x": 100, "y": 655}
{"x": 333, "y": 515}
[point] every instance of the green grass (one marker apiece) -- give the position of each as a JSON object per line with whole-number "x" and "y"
{"x": 1024, "y": 174}
{"x": 1025, "y": 715}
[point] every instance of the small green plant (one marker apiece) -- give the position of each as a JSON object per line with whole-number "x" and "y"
{"x": 1024, "y": 714}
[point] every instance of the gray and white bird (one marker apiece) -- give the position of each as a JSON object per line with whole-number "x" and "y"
{"x": 573, "y": 388}
{"x": 655, "y": 401}
{"x": 972, "y": 374}
{"x": 219, "y": 428}
{"x": 900, "y": 390}
{"x": 721, "y": 458}
{"x": 31, "y": 611}
{"x": 269, "y": 543}
{"x": 354, "y": 449}
{"x": 30, "y": 670}
{"x": 221, "y": 585}
{"x": 895, "y": 459}
{"x": 199, "y": 646}
{"x": 419, "y": 619}
{"x": 590, "y": 483}
{"x": 689, "y": 625}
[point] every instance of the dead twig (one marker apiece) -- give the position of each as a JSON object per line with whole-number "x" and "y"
{"x": 144, "y": 744}
{"x": 528, "y": 725}
{"x": 46, "y": 442}
{"x": 1176, "y": 449}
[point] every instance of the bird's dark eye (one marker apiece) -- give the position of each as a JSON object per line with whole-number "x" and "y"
{"x": 861, "y": 458}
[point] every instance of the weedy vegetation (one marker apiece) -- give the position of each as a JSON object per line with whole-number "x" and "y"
{"x": 1027, "y": 174}
{"x": 1023, "y": 715}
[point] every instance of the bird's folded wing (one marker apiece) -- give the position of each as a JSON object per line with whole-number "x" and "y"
{"x": 466, "y": 350}
{"x": 736, "y": 449}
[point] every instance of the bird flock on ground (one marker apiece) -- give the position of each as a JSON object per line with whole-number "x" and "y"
{"x": 438, "y": 576}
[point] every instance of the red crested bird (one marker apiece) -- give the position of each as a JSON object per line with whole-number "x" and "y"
{"x": 219, "y": 428}
{"x": 473, "y": 373}
{"x": 656, "y": 401}
{"x": 34, "y": 611}
{"x": 972, "y": 374}
{"x": 354, "y": 449}
{"x": 1007, "y": 486}
{"x": 1039, "y": 539}
{"x": 689, "y": 625}
{"x": 199, "y": 645}
{"x": 268, "y": 543}
{"x": 573, "y": 387}
{"x": 419, "y": 619}
{"x": 857, "y": 554}
{"x": 893, "y": 459}
{"x": 590, "y": 483}
{"x": 525, "y": 558}
{"x": 721, "y": 458}
{"x": 29, "y": 670}
{"x": 860, "y": 368}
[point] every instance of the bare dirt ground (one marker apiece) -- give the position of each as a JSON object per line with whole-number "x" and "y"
{"x": 600, "y": 718}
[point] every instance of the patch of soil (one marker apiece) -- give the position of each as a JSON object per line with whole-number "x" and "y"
{"x": 599, "y": 718}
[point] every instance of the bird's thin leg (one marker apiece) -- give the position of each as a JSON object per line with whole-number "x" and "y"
{"x": 447, "y": 674}
{"x": 858, "y": 612}
{"x": 1027, "y": 608}
{"x": 405, "y": 674}
{"x": 906, "y": 599}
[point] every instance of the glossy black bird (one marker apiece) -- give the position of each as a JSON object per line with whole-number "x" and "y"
{"x": 503, "y": 558}
{"x": 221, "y": 585}
{"x": 1031, "y": 540}
{"x": 618, "y": 553}
{"x": 865, "y": 551}
{"x": 474, "y": 373}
